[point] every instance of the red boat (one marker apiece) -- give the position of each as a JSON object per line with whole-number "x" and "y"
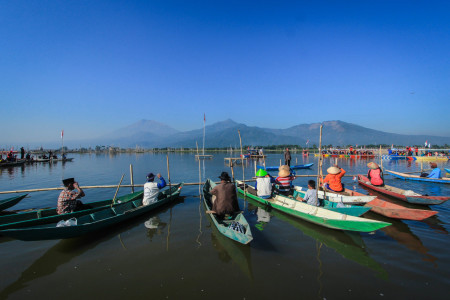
{"x": 396, "y": 211}
{"x": 405, "y": 195}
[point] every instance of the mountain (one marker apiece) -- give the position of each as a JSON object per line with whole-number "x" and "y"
{"x": 152, "y": 134}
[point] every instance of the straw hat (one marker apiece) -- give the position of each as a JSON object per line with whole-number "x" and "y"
{"x": 372, "y": 165}
{"x": 333, "y": 170}
{"x": 284, "y": 171}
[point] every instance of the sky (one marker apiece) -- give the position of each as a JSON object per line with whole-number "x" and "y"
{"x": 91, "y": 67}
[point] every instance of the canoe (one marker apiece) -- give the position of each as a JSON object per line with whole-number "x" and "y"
{"x": 418, "y": 178}
{"x": 223, "y": 226}
{"x": 405, "y": 195}
{"x": 296, "y": 167}
{"x": 101, "y": 219}
{"x": 347, "y": 197}
{"x": 351, "y": 210}
{"x": 7, "y": 203}
{"x": 44, "y": 216}
{"x": 431, "y": 158}
{"x": 314, "y": 214}
{"x": 394, "y": 157}
{"x": 19, "y": 162}
{"x": 447, "y": 170}
{"x": 61, "y": 159}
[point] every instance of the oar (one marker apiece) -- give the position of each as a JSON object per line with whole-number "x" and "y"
{"x": 115, "y": 195}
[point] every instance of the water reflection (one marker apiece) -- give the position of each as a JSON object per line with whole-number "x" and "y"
{"x": 154, "y": 226}
{"x": 349, "y": 245}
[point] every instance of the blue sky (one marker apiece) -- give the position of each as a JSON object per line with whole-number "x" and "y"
{"x": 91, "y": 67}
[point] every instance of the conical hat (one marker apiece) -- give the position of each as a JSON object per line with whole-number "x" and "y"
{"x": 333, "y": 170}
{"x": 284, "y": 167}
{"x": 372, "y": 165}
{"x": 285, "y": 171}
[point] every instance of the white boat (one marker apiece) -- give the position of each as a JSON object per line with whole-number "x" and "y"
{"x": 348, "y": 197}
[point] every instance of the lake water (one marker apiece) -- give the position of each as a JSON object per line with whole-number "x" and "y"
{"x": 184, "y": 257}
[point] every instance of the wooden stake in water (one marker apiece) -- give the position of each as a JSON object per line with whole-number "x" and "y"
{"x": 319, "y": 169}
{"x": 240, "y": 141}
{"x": 115, "y": 195}
{"x": 168, "y": 169}
{"x": 232, "y": 171}
{"x": 131, "y": 178}
{"x": 381, "y": 160}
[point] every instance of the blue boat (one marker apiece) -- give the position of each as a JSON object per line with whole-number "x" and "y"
{"x": 418, "y": 178}
{"x": 447, "y": 170}
{"x": 296, "y": 167}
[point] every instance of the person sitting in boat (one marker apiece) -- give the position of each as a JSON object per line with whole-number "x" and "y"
{"x": 333, "y": 180}
{"x": 63, "y": 156}
{"x": 225, "y": 202}
{"x": 284, "y": 180}
{"x": 10, "y": 156}
{"x": 264, "y": 183}
{"x": 67, "y": 200}
{"x": 151, "y": 188}
{"x": 310, "y": 195}
{"x": 435, "y": 173}
{"x": 375, "y": 174}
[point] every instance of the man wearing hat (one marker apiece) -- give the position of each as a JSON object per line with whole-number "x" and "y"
{"x": 287, "y": 157}
{"x": 151, "y": 189}
{"x": 333, "y": 180}
{"x": 226, "y": 198}
{"x": 375, "y": 174}
{"x": 284, "y": 180}
{"x": 67, "y": 200}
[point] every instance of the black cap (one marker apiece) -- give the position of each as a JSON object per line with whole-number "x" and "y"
{"x": 150, "y": 177}
{"x": 68, "y": 181}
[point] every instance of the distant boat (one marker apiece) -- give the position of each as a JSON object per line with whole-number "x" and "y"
{"x": 431, "y": 158}
{"x": 296, "y": 167}
{"x": 7, "y": 164}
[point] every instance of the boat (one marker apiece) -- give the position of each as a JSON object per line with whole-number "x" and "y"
{"x": 296, "y": 167}
{"x": 405, "y": 195}
{"x": 41, "y": 158}
{"x": 96, "y": 221}
{"x": 314, "y": 214}
{"x": 44, "y": 216}
{"x": 7, "y": 203}
{"x": 418, "y": 178}
{"x": 61, "y": 159}
{"x": 396, "y": 157}
{"x": 431, "y": 158}
{"x": 223, "y": 226}
{"x": 346, "y": 197}
{"x": 447, "y": 170}
{"x": 346, "y": 209}
{"x": 8, "y": 164}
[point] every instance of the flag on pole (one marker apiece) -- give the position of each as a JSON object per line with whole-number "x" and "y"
{"x": 426, "y": 143}
{"x": 429, "y": 145}
{"x": 204, "y": 117}
{"x": 307, "y": 142}
{"x": 62, "y": 133}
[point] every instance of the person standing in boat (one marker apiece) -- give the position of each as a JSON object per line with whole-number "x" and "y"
{"x": 284, "y": 180}
{"x": 22, "y": 153}
{"x": 287, "y": 157}
{"x": 375, "y": 174}
{"x": 67, "y": 200}
{"x": 225, "y": 202}
{"x": 310, "y": 195}
{"x": 333, "y": 180}
{"x": 151, "y": 188}
{"x": 263, "y": 185}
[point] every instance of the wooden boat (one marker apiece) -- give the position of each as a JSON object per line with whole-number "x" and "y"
{"x": 418, "y": 178}
{"x": 395, "y": 157}
{"x": 62, "y": 159}
{"x": 8, "y": 164}
{"x": 346, "y": 197}
{"x": 447, "y": 170}
{"x": 40, "y": 158}
{"x": 405, "y": 195}
{"x": 7, "y": 203}
{"x": 44, "y": 216}
{"x": 101, "y": 219}
{"x": 224, "y": 225}
{"x": 351, "y": 210}
{"x": 296, "y": 167}
{"x": 314, "y": 214}
{"x": 431, "y": 158}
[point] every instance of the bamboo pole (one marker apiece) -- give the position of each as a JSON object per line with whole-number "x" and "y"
{"x": 255, "y": 166}
{"x": 240, "y": 140}
{"x": 319, "y": 169}
{"x": 168, "y": 169}
{"x": 197, "y": 146}
{"x": 232, "y": 171}
{"x": 381, "y": 160}
{"x": 131, "y": 178}
{"x": 117, "y": 190}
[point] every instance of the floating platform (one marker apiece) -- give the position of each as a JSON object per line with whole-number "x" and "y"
{"x": 203, "y": 156}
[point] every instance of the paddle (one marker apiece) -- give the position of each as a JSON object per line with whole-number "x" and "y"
{"x": 115, "y": 195}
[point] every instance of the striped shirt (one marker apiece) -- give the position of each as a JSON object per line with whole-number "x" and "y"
{"x": 284, "y": 183}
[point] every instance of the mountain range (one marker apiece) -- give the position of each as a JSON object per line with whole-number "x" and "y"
{"x": 152, "y": 134}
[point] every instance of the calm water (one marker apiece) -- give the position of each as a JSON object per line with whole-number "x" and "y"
{"x": 184, "y": 257}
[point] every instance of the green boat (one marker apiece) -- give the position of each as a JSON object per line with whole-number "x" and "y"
{"x": 351, "y": 210}
{"x": 223, "y": 226}
{"x": 101, "y": 219}
{"x": 7, "y": 203}
{"x": 348, "y": 244}
{"x": 45, "y": 216}
{"x": 314, "y": 214}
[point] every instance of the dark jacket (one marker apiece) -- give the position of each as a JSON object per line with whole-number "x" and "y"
{"x": 226, "y": 199}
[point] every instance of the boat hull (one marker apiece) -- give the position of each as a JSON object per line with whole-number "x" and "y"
{"x": 7, "y": 203}
{"x": 418, "y": 178}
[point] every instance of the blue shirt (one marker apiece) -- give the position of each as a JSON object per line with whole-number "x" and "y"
{"x": 436, "y": 173}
